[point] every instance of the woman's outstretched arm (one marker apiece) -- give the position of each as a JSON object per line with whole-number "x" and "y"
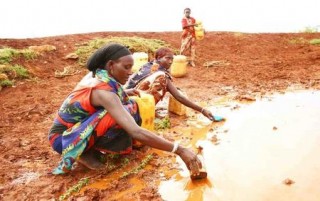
{"x": 113, "y": 105}
{"x": 185, "y": 101}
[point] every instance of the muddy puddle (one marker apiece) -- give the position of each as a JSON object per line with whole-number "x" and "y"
{"x": 266, "y": 150}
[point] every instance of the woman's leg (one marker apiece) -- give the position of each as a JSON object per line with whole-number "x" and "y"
{"x": 188, "y": 49}
{"x": 108, "y": 137}
{"x": 192, "y": 52}
{"x": 185, "y": 46}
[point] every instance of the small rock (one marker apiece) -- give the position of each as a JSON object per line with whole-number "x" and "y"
{"x": 247, "y": 98}
{"x": 3, "y": 76}
{"x": 236, "y": 107}
{"x": 214, "y": 139}
{"x": 274, "y": 128}
{"x": 72, "y": 56}
{"x": 288, "y": 182}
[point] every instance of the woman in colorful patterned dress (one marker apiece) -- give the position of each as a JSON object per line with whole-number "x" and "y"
{"x": 188, "y": 37}
{"x": 154, "y": 78}
{"x": 98, "y": 116}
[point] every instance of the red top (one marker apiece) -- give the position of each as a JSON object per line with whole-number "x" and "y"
{"x": 188, "y": 30}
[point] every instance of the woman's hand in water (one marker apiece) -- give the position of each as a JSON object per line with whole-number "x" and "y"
{"x": 212, "y": 117}
{"x": 208, "y": 114}
{"x": 190, "y": 159}
{"x": 132, "y": 92}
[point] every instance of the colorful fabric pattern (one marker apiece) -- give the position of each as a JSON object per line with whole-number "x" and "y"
{"x": 80, "y": 126}
{"x": 188, "y": 30}
{"x": 188, "y": 39}
{"x": 152, "y": 79}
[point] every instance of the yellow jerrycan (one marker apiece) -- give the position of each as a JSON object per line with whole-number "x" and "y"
{"x": 147, "y": 109}
{"x": 199, "y": 30}
{"x": 176, "y": 107}
{"x": 139, "y": 58}
{"x": 179, "y": 66}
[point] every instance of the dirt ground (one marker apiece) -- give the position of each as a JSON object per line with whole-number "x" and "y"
{"x": 245, "y": 66}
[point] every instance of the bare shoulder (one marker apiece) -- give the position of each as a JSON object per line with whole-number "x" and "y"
{"x": 101, "y": 97}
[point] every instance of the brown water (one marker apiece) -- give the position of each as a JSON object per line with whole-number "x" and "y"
{"x": 259, "y": 147}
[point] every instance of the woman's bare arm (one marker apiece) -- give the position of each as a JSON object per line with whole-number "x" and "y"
{"x": 185, "y": 101}
{"x": 112, "y": 104}
{"x": 182, "y": 99}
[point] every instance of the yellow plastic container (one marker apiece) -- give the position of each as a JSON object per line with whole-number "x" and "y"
{"x": 140, "y": 58}
{"x": 176, "y": 107}
{"x": 199, "y": 30}
{"x": 147, "y": 110}
{"x": 179, "y": 66}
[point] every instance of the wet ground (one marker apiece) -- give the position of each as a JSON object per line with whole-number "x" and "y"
{"x": 252, "y": 154}
{"x": 265, "y": 150}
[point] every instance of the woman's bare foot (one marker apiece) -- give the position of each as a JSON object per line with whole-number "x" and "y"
{"x": 90, "y": 160}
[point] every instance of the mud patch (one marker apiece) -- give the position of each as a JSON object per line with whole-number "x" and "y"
{"x": 254, "y": 161}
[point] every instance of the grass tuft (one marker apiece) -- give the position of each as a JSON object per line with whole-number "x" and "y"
{"x": 162, "y": 124}
{"x": 315, "y": 41}
{"x": 9, "y": 73}
{"x": 135, "y": 44}
{"x": 74, "y": 189}
{"x": 7, "y": 55}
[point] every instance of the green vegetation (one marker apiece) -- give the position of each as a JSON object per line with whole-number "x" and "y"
{"x": 8, "y": 71}
{"x": 301, "y": 40}
{"x": 125, "y": 161}
{"x": 135, "y": 170}
{"x": 75, "y": 189}
{"x": 8, "y": 54}
{"x": 298, "y": 41}
{"x": 315, "y": 41}
{"x": 162, "y": 124}
{"x": 107, "y": 157}
{"x": 111, "y": 161}
{"x": 310, "y": 30}
{"x": 28, "y": 54}
{"x": 135, "y": 44}
{"x": 20, "y": 71}
{"x": 6, "y": 83}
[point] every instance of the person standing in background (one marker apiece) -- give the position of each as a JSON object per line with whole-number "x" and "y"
{"x": 188, "y": 38}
